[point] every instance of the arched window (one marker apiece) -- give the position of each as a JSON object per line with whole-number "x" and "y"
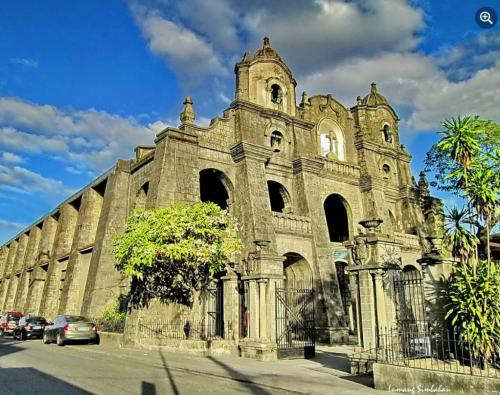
{"x": 276, "y": 141}
{"x": 387, "y": 134}
{"x": 336, "y": 218}
{"x": 387, "y": 170}
{"x": 325, "y": 144}
{"x": 212, "y": 188}
{"x": 279, "y": 198}
{"x": 276, "y": 94}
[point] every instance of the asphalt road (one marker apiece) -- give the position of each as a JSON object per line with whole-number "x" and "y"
{"x": 30, "y": 367}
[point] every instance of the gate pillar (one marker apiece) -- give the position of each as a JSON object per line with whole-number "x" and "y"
{"x": 263, "y": 271}
{"x": 372, "y": 255}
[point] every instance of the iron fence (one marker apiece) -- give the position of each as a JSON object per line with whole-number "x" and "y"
{"x": 185, "y": 330}
{"x": 107, "y": 325}
{"x": 422, "y": 347}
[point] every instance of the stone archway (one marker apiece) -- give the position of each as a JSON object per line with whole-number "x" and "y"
{"x": 215, "y": 187}
{"x": 298, "y": 273}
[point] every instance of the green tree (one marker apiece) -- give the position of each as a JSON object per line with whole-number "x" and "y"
{"x": 466, "y": 162}
{"x": 171, "y": 253}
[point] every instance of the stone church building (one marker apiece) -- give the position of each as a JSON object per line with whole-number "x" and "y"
{"x": 323, "y": 194}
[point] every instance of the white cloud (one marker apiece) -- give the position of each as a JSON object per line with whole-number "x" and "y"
{"x": 11, "y": 158}
{"x": 94, "y": 137}
{"x": 187, "y": 52}
{"x": 11, "y": 225}
{"x": 331, "y": 46}
{"x": 26, "y": 62}
{"x": 22, "y": 180}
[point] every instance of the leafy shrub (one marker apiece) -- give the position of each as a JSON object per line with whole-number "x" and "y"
{"x": 173, "y": 252}
{"x": 474, "y": 306}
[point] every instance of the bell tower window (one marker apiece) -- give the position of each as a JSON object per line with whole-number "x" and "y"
{"x": 276, "y": 141}
{"x": 276, "y": 94}
{"x": 387, "y": 134}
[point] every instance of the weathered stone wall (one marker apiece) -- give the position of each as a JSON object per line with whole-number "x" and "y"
{"x": 64, "y": 262}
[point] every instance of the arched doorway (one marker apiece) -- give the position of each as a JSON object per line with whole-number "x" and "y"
{"x": 297, "y": 271}
{"x": 295, "y": 322}
{"x": 337, "y": 218}
{"x": 215, "y": 187}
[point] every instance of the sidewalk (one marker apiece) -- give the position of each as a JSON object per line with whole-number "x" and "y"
{"x": 328, "y": 373}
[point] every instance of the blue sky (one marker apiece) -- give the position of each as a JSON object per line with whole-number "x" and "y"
{"x": 83, "y": 82}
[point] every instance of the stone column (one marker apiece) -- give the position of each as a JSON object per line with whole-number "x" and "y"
{"x": 232, "y": 305}
{"x": 67, "y": 216}
{"x": 262, "y": 308}
{"x": 81, "y": 253}
{"x": 380, "y": 300}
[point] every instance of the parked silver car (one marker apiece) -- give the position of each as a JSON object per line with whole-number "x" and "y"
{"x": 70, "y": 327}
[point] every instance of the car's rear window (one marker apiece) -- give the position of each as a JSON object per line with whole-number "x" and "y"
{"x": 75, "y": 318}
{"x": 36, "y": 320}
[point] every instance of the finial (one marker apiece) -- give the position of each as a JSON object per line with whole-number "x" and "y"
{"x": 266, "y": 42}
{"x": 374, "y": 87}
{"x": 304, "y": 97}
{"x": 359, "y": 100}
{"x": 246, "y": 57}
{"x": 187, "y": 113}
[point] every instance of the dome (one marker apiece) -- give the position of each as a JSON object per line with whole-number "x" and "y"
{"x": 374, "y": 98}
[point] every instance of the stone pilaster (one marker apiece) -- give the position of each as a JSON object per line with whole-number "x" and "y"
{"x": 27, "y": 268}
{"x": 81, "y": 253}
{"x": 17, "y": 265}
{"x": 57, "y": 267}
{"x": 7, "y": 273}
{"x": 42, "y": 259}
{"x": 231, "y": 311}
{"x": 104, "y": 284}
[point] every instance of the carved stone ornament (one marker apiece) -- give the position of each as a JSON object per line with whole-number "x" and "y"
{"x": 359, "y": 251}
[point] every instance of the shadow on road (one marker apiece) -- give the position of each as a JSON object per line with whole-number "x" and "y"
{"x": 148, "y": 388}
{"x": 333, "y": 360}
{"x": 32, "y": 381}
{"x": 246, "y": 381}
{"x": 175, "y": 390}
{"x": 9, "y": 346}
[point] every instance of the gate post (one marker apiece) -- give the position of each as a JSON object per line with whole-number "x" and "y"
{"x": 372, "y": 255}
{"x": 263, "y": 270}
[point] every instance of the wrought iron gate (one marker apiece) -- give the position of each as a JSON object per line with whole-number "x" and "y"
{"x": 295, "y": 331}
{"x": 409, "y": 299}
{"x": 215, "y": 311}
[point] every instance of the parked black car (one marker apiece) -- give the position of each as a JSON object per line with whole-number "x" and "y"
{"x": 70, "y": 327}
{"x": 29, "y": 327}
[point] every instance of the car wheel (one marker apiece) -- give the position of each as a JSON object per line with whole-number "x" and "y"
{"x": 59, "y": 340}
{"x": 45, "y": 339}
{"x": 2, "y": 333}
{"x": 97, "y": 340}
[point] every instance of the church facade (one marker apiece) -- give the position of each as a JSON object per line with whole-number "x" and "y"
{"x": 321, "y": 192}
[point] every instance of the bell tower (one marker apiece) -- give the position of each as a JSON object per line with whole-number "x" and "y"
{"x": 266, "y": 80}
